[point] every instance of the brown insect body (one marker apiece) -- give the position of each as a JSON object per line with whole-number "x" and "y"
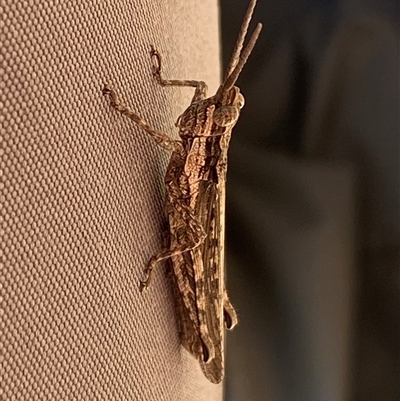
{"x": 195, "y": 206}
{"x": 199, "y": 274}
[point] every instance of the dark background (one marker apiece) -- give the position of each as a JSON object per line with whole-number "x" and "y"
{"x": 313, "y": 203}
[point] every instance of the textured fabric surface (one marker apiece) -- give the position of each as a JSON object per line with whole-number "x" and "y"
{"x": 82, "y": 197}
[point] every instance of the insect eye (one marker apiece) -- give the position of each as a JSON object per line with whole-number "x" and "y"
{"x": 240, "y": 100}
{"x": 226, "y": 115}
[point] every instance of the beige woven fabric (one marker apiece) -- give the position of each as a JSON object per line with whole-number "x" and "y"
{"x": 82, "y": 197}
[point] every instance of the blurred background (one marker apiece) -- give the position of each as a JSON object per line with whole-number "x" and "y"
{"x": 313, "y": 203}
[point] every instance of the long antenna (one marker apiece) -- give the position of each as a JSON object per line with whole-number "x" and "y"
{"x": 240, "y": 40}
{"x": 240, "y": 60}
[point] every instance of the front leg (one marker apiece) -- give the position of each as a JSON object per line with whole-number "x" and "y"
{"x": 200, "y": 92}
{"x": 159, "y": 137}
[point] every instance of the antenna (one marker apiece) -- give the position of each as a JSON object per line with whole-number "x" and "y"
{"x": 239, "y": 58}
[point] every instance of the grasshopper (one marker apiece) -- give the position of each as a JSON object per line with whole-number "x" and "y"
{"x": 195, "y": 204}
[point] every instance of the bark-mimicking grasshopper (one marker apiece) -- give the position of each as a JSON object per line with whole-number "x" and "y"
{"x": 195, "y": 205}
